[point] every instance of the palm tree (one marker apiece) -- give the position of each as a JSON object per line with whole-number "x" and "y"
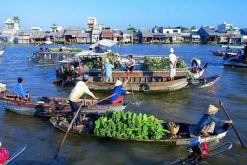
{"x": 16, "y": 19}
{"x": 131, "y": 28}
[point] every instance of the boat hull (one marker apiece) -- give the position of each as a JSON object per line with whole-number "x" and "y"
{"x": 178, "y": 141}
{"x": 47, "y": 109}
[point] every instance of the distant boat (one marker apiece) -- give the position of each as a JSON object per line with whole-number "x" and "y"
{"x": 2, "y": 50}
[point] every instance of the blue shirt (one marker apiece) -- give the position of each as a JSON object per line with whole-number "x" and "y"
{"x": 108, "y": 69}
{"x": 206, "y": 119}
{"x": 19, "y": 90}
{"x": 118, "y": 91}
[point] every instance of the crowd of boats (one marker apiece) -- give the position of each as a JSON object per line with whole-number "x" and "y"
{"x": 151, "y": 75}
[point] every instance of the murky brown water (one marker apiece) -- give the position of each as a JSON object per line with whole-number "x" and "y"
{"x": 186, "y": 105}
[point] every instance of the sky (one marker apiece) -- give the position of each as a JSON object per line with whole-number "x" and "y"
{"x": 120, "y": 13}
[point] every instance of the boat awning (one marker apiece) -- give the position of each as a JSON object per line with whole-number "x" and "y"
{"x": 104, "y": 42}
{"x": 83, "y": 53}
{"x": 233, "y": 47}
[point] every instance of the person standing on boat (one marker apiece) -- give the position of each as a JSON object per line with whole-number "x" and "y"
{"x": 245, "y": 51}
{"x": 19, "y": 91}
{"x": 172, "y": 66}
{"x": 130, "y": 65}
{"x": 207, "y": 122}
{"x": 107, "y": 71}
{"x": 74, "y": 97}
{"x": 118, "y": 92}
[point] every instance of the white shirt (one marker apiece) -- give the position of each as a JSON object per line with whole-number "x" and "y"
{"x": 79, "y": 90}
{"x": 172, "y": 59}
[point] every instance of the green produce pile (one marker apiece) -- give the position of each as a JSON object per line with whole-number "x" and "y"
{"x": 160, "y": 63}
{"x": 72, "y": 50}
{"x": 98, "y": 62}
{"x": 128, "y": 125}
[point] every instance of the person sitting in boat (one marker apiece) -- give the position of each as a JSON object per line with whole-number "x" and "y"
{"x": 74, "y": 97}
{"x": 206, "y": 124}
{"x": 197, "y": 67}
{"x": 130, "y": 65}
{"x": 118, "y": 92}
{"x": 19, "y": 91}
{"x": 245, "y": 51}
{"x": 107, "y": 71}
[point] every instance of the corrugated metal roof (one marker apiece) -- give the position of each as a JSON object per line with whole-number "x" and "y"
{"x": 38, "y": 34}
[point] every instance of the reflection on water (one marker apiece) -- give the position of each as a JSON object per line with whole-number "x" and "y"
{"x": 186, "y": 105}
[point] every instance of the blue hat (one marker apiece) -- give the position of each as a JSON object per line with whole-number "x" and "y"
{"x": 85, "y": 77}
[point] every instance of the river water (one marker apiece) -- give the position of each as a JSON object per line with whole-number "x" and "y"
{"x": 186, "y": 105}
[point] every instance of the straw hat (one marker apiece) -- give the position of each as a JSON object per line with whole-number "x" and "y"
{"x": 212, "y": 109}
{"x": 118, "y": 83}
{"x": 171, "y": 50}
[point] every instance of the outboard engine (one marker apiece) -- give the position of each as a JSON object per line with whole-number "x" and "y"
{"x": 197, "y": 149}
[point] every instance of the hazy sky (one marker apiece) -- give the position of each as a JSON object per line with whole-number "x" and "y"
{"x": 121, "y": 13}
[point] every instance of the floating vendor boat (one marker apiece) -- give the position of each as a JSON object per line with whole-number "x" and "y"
{"x": 218, "y": 52}
{"x": 144, "y": 81}
{"x": 146, "y": 128}
{"x": 236, "y": 61}
{"x": 204, "y": 82}
{"x": 46, "y": 106}
{"x": 150, "y": 74}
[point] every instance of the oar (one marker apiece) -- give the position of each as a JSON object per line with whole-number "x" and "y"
{"x": 222, "y": 105}
{"x": 132, "y": 92}
{"x": 64, "y": 137}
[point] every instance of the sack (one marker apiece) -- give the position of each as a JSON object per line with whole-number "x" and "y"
{"x": 173, "y": 128}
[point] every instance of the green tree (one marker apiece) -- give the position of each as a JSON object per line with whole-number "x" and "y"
{"x": 16, "y": 19}
{"x": 131, "y": 28}
{"x": 193, "y": 28}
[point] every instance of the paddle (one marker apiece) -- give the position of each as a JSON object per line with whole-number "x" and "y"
{"x": 132, "y": 92}
{"x": 222, "y": 105}
{"x": 64, "y": 137}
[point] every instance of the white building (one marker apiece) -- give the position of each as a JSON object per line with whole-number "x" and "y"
{"x": 36, "y": 28}
{"x": 169, "y": 30}
{"x": 12, "y": 24}
{"x": 55, "y": 28}
{"x": 96, "y": 31}
{"x": 225, "y": 27}
{"x": 91, "y": 22}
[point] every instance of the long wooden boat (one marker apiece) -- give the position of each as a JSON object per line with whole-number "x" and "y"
{"x": 218, "y": 52}
{"x": 183, "y": 136}
{"x": 204, "y": 82}
{"x": 46, "y": 106}
{"x": 235, "y": 61}
{"x": 144, "y": 81}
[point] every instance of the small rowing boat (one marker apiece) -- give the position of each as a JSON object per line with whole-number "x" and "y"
{"x": 182, "y": 137}
{"x": 46, "y": 106}
{"x": 204, "y": 82}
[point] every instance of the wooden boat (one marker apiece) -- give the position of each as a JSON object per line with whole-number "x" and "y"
{"x": 204, "y": 82}
{"x": 183, "y": 136}
{"x": 199, "y": 73}
{"x": 46, "y": 106}
{"x": 144, "y": 81}
{"x": 218, "y": 52}
{"x": 236, "y": 61}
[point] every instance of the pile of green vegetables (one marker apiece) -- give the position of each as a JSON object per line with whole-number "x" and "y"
{"x": 98, "y": 62}
{"x": 72, "y": 50}
{"x": 129, "y": 125}
{"x": 160, "y": 63}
